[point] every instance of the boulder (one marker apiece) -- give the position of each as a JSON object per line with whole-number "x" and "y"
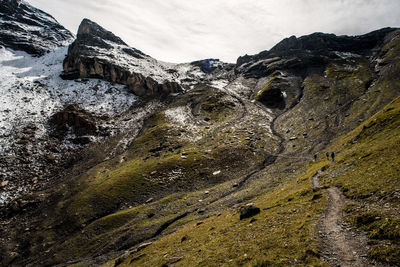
{"x": 248, "y": 211}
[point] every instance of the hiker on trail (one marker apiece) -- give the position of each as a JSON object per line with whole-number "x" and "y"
{"x": 327, "y": 155}
{"x": 333, "y": 156}
{"x": 315, "y": 157}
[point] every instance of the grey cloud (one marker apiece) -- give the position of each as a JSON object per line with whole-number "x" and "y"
{"x": 180, "y": 31}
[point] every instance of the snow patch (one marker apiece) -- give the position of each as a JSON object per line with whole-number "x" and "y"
{"x": 345, "y": 55}
{"x": 179, "y": 115}
{"x": 220, "y": 84}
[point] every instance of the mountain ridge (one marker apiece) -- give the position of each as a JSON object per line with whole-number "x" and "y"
{"x": 132, "y": 161}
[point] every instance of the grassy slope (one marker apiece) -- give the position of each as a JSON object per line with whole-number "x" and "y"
{"x": 107, "y": 205}
{"x": 282, "y": 234}
{"x": 347, "y": 80}
{"x": 367, "y": 170}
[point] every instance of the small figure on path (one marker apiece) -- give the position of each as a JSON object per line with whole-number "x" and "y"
{"x": 333, "y": 156}
{"x": 327, "y": 155}
{"x": 315, "y": 157}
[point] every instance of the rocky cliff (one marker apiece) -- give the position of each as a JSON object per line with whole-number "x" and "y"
{"x": 98, "y": 53}
{"x": 23, "y": 27}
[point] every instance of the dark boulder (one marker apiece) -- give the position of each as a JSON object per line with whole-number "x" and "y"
{"x": 248, "y": 211}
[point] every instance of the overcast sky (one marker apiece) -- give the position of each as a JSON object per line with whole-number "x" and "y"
{"x": 186, "y": 30}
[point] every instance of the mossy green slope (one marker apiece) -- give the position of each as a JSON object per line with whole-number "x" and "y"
{"x": 350, "y": 91}
{"x": 284, "y": 233}
{"x": 107, "y": 208}
{"x": 368, "y": 172}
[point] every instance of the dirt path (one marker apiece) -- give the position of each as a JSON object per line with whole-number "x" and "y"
{"x": 341, "y": 244}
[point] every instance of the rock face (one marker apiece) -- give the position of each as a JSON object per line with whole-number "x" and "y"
{"x": 98, "y": 53}
{"x": 308, "y": 53}
{"x": 72, "y": 120}
{"x": 23, "y": 27}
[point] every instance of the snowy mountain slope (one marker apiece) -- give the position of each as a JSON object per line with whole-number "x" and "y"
{"x": 24, "y": 27}
{"x": 32, "y": 92}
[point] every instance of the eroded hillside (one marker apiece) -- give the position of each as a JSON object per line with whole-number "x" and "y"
{"x": 162, "y": 179}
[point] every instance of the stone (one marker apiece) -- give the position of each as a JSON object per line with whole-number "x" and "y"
{"x": 4, "y": 183}
{"x": 248, "y": 211}
{"x": 172, "y": 261}
{"x": 216, "y": 173}
{"x": 9, "y": 258}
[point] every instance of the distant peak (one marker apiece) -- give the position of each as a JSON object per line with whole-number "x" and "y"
{"x": 89, "y": 29}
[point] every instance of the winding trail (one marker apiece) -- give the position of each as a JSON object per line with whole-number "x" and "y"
{"x": 341, "y": 245}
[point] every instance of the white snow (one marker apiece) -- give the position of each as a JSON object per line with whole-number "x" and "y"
{"x": 345, "y": 55}
{"x": 179, "y": 115}
{"x": 31, "y": 91}
{"x": 149, "y": 67}
{"x": 220, "y": 84}
{"x": 182, "y": 116}
{"x": 6, "y": 196}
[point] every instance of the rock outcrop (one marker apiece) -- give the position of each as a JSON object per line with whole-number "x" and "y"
{"x": 23, "y": 27}
{"x": 309, "y": 53}
{"x": 72, "y": 120}
{"x": 98, "y": 53}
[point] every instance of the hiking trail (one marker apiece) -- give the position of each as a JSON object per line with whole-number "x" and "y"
{"x": 341, "y": 245}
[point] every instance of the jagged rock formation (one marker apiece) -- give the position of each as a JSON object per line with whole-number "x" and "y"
{"x": 98, "y": 53}
{"x": 307, "y": 53}
{"x": 23, "y": 27}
